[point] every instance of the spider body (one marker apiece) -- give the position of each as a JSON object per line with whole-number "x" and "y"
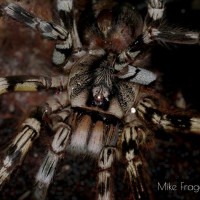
{"x": 104, "y": 107}
{"x": 96, "y": 91}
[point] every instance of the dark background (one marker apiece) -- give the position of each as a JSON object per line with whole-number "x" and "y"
{"x": 175, "y": 157}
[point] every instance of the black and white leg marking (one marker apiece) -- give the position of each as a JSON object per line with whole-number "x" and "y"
{"x": 63, "y": 49}
{"x": 47, "y": 29}
{"x": 104, "y": 181}
{"x": 19, "y": 147}
{"x": 171, "y": 35}
{"x": 127, "y": 64}
{"x": 155, "y": 9}
{"x": 72, "y": 44}
{"x": 131, "y": 138}
{"x": 137, "y": 75}
{"x": 131, "y": 72}
{"x": 148, "y": 111}
{"x": 30, "y": 130}
{"x": 55, "y": 153}
{"x": 161, "y": 33}
{"x": 32, "y": 83}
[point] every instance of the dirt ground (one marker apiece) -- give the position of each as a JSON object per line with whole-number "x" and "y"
{"x": 174, "y": 159}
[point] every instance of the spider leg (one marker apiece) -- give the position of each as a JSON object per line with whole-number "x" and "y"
{"x": 104, "y": 181}
{"x": 137, "y": 75}
{"x": 67, "y": 19}
{"x": 20, "y": 146}
{"x": 30, "y": 131}
{"x": 172, "y": 35}
{"x": 149, "y": 111}
{"x": 55, "y": 153}
{"x": 133, "y": 136}
{"x": 47, "y": 29}
{"x": 155, "y": 30}
{"x": 155, "y": 9}
{"x": 32, "y": 83}
{"x": 130, "y": 65}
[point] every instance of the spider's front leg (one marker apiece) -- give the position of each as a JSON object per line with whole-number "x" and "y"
{"x": 30, "y": 131}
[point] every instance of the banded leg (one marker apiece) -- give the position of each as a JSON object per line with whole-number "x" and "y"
{"x": 155, "y": 9}
{"x": 165, "y": 34}
{"x": 137, "y": 75}
{"x": 137, "y": 55}
{"x": 30, "y": 130}
{"x": 64, "y": 48}
{"x": 19, "y": 147}
{"x": 155, "y": 30}
{"x": 55, "y": 153}
{"x": 148, "y": 110}
{"x": 47, "y": 29}
{"x": 132, "y": 137}
{"x": 104, "y": 182}
{"x": 32, "y": 83}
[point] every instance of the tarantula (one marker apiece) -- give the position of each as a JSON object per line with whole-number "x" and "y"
{"x": 103, "y": 106}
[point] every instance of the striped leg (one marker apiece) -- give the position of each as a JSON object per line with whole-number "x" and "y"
{"x": 20, "y": 146}
{"x": 131, "y": 137}
{"x": 47, "y": 29}
{"x": 64, "y": 48}
{"x": 157, "y": 31}
{"x": 174, "y": 121}
{"x": 30, "y": 130}
{"x": 104, "y": 182}
{"x": 137, "y": 75}
{"x": 31, "y": 83}
{"x": 155, "y": 9}
{"x": 171, "y": 35}
{"x": 55, "y": 153}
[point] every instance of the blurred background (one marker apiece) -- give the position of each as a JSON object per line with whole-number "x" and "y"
{"x": 175, "y": 157}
